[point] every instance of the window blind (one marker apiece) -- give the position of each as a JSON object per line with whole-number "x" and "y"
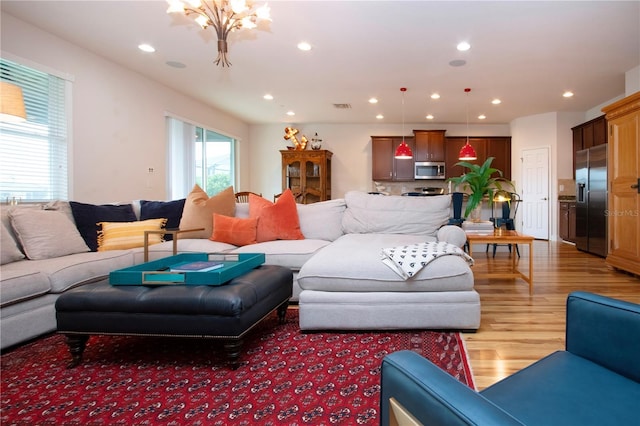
{"x": 33, "y": 154}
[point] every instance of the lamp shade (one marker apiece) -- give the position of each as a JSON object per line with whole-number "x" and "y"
{"x": 467, "y": 153}
{"x": 403, "y": 151}
{"x": 11, "y": 103}
{"x": 501, "y": 196}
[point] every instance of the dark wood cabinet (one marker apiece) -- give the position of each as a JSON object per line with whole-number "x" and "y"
{"x": 497, "y": 147}
{"x": 567, "y": 222}
{"x": 429, "y": 145}
{"x": 587, "y": 135}
{"x": 385, "y": 167}
{"x": 307, "y": 173}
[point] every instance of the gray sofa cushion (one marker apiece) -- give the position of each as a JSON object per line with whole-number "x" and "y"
{"x": 21, "y": 282}
{"x": 44, "y": 234}
{"x": 394, "y": 214}
{"x": 290, "y": 253}
{"x": 8, "y": 247}
{"x": 352, "y": 263}
{"x": 323, "y": 220}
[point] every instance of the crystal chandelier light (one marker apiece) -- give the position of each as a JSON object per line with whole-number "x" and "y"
{"x": 224, "y": 16}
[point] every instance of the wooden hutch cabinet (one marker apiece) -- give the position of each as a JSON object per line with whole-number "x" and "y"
{"x": 385, "y": 167}
{"x": 307, "y": 173}
{"x": 429, "y": 145}
{"x": 623, "y": 178}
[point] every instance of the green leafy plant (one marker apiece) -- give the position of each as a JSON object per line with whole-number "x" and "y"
{"x": 479, "y": 182}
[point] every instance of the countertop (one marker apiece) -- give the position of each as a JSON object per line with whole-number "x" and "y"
{"x": 567, "y": 198}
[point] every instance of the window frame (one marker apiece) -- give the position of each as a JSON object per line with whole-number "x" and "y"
{"x": 65, "y": 191}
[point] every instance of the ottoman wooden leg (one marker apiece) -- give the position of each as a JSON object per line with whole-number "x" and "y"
{"x": 232, "y": 347}
{"x": 282, "y": 312}
{"x": 76, "y": 343}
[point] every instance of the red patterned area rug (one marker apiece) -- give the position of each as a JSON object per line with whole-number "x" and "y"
{"x": 285, "y": 377}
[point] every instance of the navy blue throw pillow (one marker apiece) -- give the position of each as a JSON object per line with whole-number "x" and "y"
{"x": 87, "y": 217}
{"x": 171, "y": 210}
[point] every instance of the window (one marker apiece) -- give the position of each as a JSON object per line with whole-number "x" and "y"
{"x": 33, "y": 154}
{"x": 198, "y": 155}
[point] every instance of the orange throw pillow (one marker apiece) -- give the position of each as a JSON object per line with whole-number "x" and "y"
{"x": 233, "y": 230}
{"x": 277, "y": 221}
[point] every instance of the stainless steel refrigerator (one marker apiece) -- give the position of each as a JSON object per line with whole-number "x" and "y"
{"x": 591, "y": 200}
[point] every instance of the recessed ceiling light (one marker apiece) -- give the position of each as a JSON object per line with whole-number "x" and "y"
{"x": 291, "y": 113}
{"x": 435, "y": 96}
{"x": 463, "y": 46}
{"x": 379, "y": 116}
{"x": 303, "y": 45}
{"x": 482, "y": 117}
{"x": 373, "y": 101}
{"x": 429, "y": 117}
{"x": 268, "y": 97}
{"x": 567, "y": 94}
{"x": 146, "y": 48}
{"x": 496, "y": 101}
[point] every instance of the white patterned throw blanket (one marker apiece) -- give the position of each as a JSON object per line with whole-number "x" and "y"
{"x": 407, "y": 261}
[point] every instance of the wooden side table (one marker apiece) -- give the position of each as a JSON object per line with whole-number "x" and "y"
{"x": 174, "y": 232}
{"x": 505, "y": 237}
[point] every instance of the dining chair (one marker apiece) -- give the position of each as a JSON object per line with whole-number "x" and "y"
{"x": 243, "y": 196}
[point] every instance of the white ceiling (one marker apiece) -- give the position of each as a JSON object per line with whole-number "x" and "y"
{"x": 525, "y": 53}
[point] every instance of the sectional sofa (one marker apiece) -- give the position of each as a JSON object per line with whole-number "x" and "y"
{"x": 340, "y": 281}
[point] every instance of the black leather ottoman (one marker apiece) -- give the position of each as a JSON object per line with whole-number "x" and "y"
{"x": 224, "y": 312}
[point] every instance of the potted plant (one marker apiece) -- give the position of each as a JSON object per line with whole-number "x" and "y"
{"x": 479, "y": 182}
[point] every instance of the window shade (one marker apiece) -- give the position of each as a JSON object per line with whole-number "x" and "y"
{"x": 33, "y": 154}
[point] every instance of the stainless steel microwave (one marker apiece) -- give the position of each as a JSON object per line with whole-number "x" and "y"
{"x": 429, "y": 170}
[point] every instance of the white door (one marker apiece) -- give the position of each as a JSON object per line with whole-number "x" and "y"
{"x": 535, "y": 193}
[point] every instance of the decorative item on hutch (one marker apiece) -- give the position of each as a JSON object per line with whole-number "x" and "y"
{"x": 316, "y": 143}
{"x": 290, "y": 135}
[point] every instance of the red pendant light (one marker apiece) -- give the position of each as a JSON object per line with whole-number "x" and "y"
{"x": 467, "y": 153}
{"x": 403, "y": 151}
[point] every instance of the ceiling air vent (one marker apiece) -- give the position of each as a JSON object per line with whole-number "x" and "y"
{"x": 342, "y": 106}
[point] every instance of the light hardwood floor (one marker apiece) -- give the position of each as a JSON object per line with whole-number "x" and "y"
{"x": 517, "y": 329}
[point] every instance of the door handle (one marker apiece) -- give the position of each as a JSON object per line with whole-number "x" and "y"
{"x": 636, "y": 186}
{"x": 545, "y": 199}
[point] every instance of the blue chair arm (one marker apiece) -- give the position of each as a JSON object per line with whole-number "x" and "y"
{"x": 432, "y": 396}
{"x": 605, "y": 331}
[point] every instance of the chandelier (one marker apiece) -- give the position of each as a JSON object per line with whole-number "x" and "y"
{"x": 224, "y": 16}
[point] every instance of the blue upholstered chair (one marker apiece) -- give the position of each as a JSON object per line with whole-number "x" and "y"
{"x": 509, "y": 211}
{"x": 594, "y": 381}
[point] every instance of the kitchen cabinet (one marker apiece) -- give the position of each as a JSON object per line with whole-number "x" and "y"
{"x": 567, "y": 222}
{"x": 307, "y": 173}
{"x": 429, "y": 145}
{"x": 384, "y": 166}
{"x": 497, "y": 147}
{"x": 588, "y": 134}
{"x": 623, "y": 180}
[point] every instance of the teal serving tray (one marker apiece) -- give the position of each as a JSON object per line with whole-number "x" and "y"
{"x": 158, "y": 272}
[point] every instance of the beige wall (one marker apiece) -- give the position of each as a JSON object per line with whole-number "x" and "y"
{"x": 118, "y": 126}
